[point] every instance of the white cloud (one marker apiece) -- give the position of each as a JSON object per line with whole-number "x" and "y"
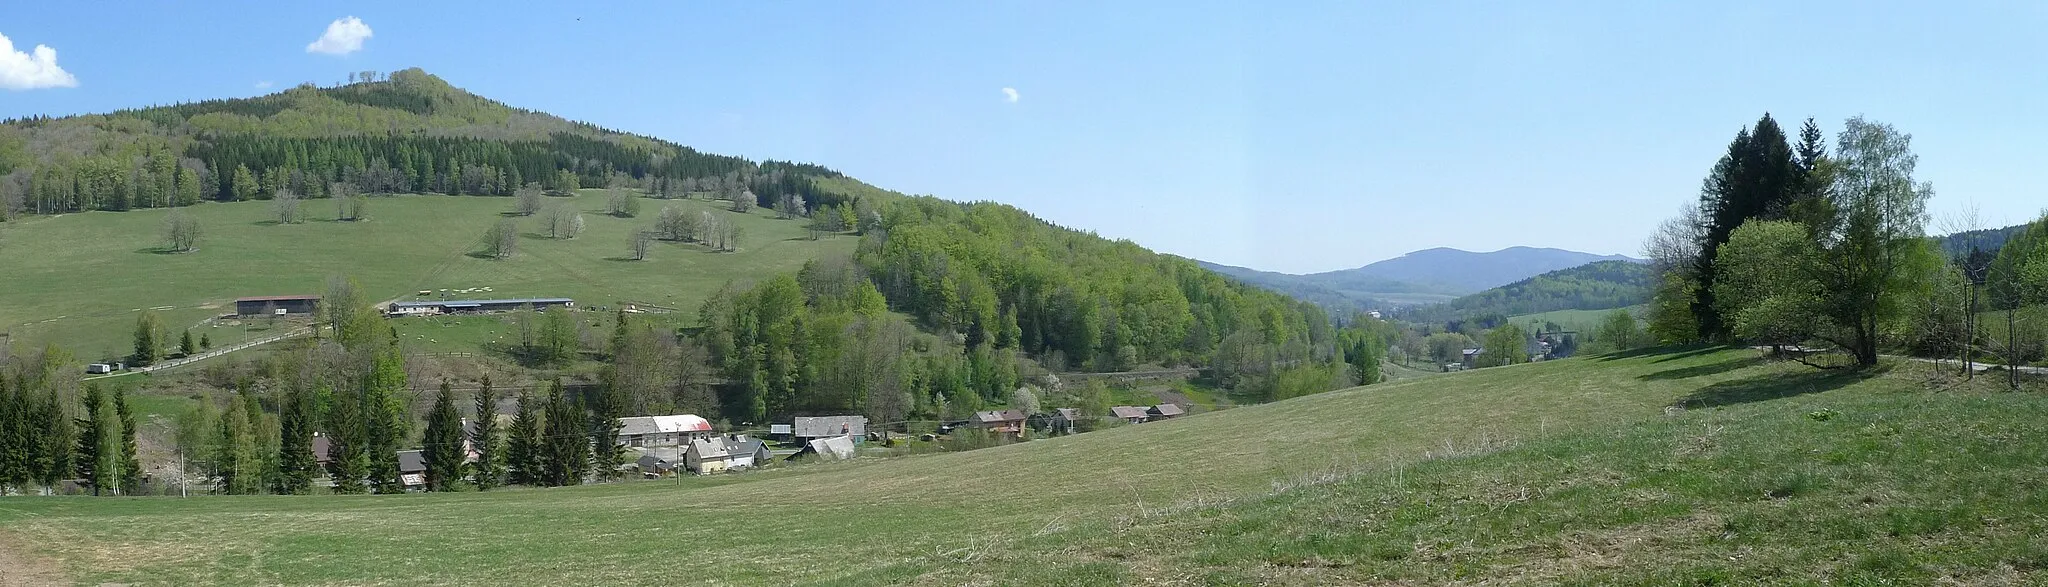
{"x": 344, "y": 36}
{"x": 25, "y": 71}
{"x": 1010, "y": 95}
{"x": 263, "y": 85}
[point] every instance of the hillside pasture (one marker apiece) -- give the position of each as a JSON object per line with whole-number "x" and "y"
{"x": 80, "y": 280}
{"x": 1686, "y": 466}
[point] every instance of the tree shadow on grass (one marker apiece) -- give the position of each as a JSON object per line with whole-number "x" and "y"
{"x": 1676, "y": 352}
{"x": 622, "y": 259}
{"x": 1699, "y": 370}
{"x": 481, "y": 255}
{"x": 1770, "y": 387}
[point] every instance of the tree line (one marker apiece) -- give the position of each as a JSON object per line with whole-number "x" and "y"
{"x": 411, "y": 133}
{"x": 1803, "y": 244}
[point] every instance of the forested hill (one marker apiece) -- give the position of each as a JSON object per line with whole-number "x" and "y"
{"x": 408, "y": 132}
{"x": 1593, "y": 286}
{"x": 989, "y": 285}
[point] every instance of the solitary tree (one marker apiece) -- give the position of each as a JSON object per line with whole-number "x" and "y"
{"x": 148, "y": 340}
{"x": 641, "y": 240}
{"x": 501, "y": 240}
{"x": 185, "y": 345}
{"x": 341, "y": 191}
{"x": 527, "y": 199}
{"x": 285, "y": 206}
{"x": 181, "y": 232}
{"x": 564, "y": 222}
{"x": 623, "y": 204}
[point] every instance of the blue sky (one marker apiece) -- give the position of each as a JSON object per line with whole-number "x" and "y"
{"x": 1304, "y": 137}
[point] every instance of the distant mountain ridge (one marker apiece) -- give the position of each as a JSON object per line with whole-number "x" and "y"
{"x": 1464, "y": 272}
{"x": 1419, "y": 278}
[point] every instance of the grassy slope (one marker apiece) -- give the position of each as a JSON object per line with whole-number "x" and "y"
{"x": 1576, "y": 320}
{"x": 96, "y": 269}
{"x": 1561, "y": 471}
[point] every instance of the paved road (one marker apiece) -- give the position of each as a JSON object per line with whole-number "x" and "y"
{"x": 1980, "y": 366}
{"x": 296, "y": 332}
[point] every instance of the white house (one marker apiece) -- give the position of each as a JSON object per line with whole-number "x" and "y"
{"x": 643, "y": 431}
{"x": 715, "y": 454}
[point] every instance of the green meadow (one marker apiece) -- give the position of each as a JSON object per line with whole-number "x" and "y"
{"x": 80, "y": 280}
{"x": 1689, "y": 466}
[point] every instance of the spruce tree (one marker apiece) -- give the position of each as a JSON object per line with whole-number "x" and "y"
{"x": 489, "y": 469}
{"x": 94, "y": 466}
{"x": 59, "y": 433}
{"x": 186, "y": 346}
{"x": 148, "y": 340}
{"x": 295, "y": 460}
{"x": 443, "y": 450}
{"x": 1757, "y": 178}
{"x": 566, "y": 452}
{"x": 347, "y": 464}
{"x": 522, "y": 450}
{"x": 130, "y": 467}
{"x": 18, "y": 445}
{"x": 384, "y": 420}
{"x": 205, "y": 341}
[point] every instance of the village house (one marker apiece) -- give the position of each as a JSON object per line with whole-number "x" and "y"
{"x": 646, "y": 431}
{"x": 836, "y": 448}
{"x": 1065, "y": 420}
{"x": 274, "y": 305}
{"x": 1009, "y": 422}
{"x": 807, "y": 428}
{"x": 717, "y": 454}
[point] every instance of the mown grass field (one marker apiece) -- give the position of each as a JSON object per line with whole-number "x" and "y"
{"x": 1583, "y": 321}
{"x": 79, "y": 280}
{"x": 1683, "y": 467}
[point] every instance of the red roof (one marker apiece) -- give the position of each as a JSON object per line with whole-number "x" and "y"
{"x": 275, "y": 298}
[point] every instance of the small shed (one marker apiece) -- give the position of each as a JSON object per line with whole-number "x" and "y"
{"x": 412, "y": 469}
{"x": 1165, "y": 411}
{"x": 1132, "y": 414}
{"x": 270, "y": 305}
